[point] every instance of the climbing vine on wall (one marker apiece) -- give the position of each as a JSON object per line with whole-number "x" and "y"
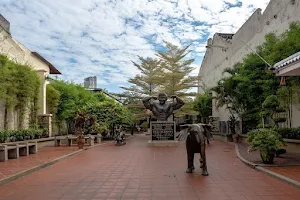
{"x": 19, "y": 91}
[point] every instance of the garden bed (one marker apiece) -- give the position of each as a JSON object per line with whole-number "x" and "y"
{"x": 22, "y": 135}
{"x": 286, "y": 159}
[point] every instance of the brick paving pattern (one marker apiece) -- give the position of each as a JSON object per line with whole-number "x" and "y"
{"x": 292, "y": 172}
{"x": 46, "y": 154}
{"x": 136, "y": 171}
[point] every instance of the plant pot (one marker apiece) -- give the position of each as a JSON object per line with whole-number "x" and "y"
{"x": 81, "y": 142}
{"x": 269, "y": 156}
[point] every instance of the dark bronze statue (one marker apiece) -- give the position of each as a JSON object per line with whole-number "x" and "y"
{"x": 162, "y": 109}
{"x": 120, "y": 137}
{"x": 195, "y": 135}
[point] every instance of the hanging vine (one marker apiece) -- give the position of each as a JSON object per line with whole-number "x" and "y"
{"x": 19, "y": 90}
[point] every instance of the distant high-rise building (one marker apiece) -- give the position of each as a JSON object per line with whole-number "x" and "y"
{"x": 90, "y": 82}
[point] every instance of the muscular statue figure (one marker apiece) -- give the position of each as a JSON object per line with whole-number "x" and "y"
{"x": 162, "y": 109}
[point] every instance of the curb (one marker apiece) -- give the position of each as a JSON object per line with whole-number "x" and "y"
{"x": 279, "y": 176}
{"x": 246, "y": 162}
{"x": 47, "y": 164}
{"x": 36, "y": 168}
{"x": 266, "y": 171}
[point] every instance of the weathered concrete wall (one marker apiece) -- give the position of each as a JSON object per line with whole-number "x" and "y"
{"x": 224, "y": 53}
{"x": 19, "y": 53}
{"x": 4, "y": 23}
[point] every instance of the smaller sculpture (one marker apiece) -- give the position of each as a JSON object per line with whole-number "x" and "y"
{"x": 162, "y": 109}
{"x": 207, "y": 132}
{"x": 120, "y": 137}
{"x": 195, "y": 135}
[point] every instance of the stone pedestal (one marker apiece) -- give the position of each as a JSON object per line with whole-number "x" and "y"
{"x": 162, "y": 133}
{"x": 214, "y": 121}
{"x": 162, "y": 143}
{"x": 148, "y": 132}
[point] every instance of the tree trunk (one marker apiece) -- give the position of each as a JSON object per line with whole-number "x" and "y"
{"x": 173, "y": 113}
{"x": 33, "y": 114}
{"x": 113, "y": 131}
{"x": 6, "y": 117}
{"x": 59, "y": 128}
{"x": 21, "y": 117}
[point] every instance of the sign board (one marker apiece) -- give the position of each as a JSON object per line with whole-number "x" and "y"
{"x": 163, "y": 130}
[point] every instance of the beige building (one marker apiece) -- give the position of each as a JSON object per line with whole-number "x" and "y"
{"x": 224, "y": 50}
{"x": 19, "y": 53}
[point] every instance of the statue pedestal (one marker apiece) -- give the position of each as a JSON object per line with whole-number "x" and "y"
{"x": 148, "y": 132}
{"x": 162, "y": 143}
{"x": 162, "y": 134}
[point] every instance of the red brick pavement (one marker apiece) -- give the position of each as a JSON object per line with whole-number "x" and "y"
{"x": 13, "y": 166}
{"x": 135, "y": 171}
{"x": 292, "y": 172}
{"x": 44, "y": 155}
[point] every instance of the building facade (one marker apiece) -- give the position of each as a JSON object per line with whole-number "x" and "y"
{"x": 90, "y": 82}
{"x": 19, "y": 53}
{"x": 224, "y": 50}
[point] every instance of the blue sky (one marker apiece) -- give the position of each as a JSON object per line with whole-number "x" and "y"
{"x": 101, "y": 37}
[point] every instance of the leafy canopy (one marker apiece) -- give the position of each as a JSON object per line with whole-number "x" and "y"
{"x": 203, "y": 105}
{"x": 250, "y": 82}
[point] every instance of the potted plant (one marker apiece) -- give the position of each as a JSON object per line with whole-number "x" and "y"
{"x": 232, "y": 126}
{"x": 267, "y": 141}
{"x": 80, "y": 125}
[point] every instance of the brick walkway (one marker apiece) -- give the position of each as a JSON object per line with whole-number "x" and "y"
{"x": 13, "y": 166}
{"x": 44, "y": 155}
{"x": 135, "y": 171}
{"x": 292, "y": 172}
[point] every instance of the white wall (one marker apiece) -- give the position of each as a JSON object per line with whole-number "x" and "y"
{"x": 276, "y": 19}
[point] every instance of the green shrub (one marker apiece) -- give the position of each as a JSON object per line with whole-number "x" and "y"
{"x": 145, "y": 125}
{"x": 21, "y": 135}
{"x": 264, "y": 140}
{"x": 45, "y": 133}
{"x": 290, "y": 133}
{"x": 4, "y": 136}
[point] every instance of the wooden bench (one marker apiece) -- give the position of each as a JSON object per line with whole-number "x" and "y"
{"x": 69, "y": 139}
{"x": 16, "y": 149}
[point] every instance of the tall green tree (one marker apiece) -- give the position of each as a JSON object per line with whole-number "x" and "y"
{"x": 149, "y": 78}
{"x": 52, "y": 99}
{"x": 72, "y": 98}
{"x": 176, "y": 79}
{"x": 203, "y": 105}
{"x": 144, "y": 84}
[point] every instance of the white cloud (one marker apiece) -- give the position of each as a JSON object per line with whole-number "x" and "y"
{"x": 104, "y": 36}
